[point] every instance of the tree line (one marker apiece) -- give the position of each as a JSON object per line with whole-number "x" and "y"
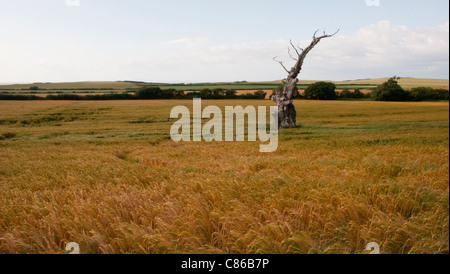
{"x": 388, "y": 91}
{"x": 145, "y": 93}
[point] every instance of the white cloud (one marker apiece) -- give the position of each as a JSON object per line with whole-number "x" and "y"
{"x": 189, "y": 41}
{"x": 377, "y": 50}
{"x": 389, "y": 49}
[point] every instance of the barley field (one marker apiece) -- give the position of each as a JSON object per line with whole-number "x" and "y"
{"x": 107, "y": 176}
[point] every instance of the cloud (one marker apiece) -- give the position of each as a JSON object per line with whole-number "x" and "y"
{"x": 189, "y": 41}
{"x": 377, "y": 50}
{"x": 384, "y": 49}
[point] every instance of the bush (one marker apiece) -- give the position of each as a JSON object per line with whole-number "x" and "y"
{"x": 148, "y": 93}
{"x": 34, "y": 88}
{"x": 442, "y": 94}
{"x": 427, "y": 93}
{"x": 358, "y": 94}
{"x": 421, "y": 93}
{"x": 154, "y": 93}
{"x": 19, "y": 97}
{"x": 321, "y": 91}
{"x": 218, "y": 92}
{"x": 346, "y": 94}
{"x": 260, "y": 94}
{"x": 230, "y": 93}
{"x": 206, "y": 92}
{"x": 390, "y": 91}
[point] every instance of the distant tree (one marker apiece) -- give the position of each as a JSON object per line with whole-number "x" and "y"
{"x": 34, "y": 88}
{"x": 421, "y": 93}
{"x": 178, "y": 93}
{"x": 230, "y": 93}
{"x": 390, "y": 91}
{"x": 154, "y": 93}
{"x": 346, "y": 93}
{"x": 427, "y": 93}
{"x": 321, "y": 91}
{"x": 260, "y": 94}
{"x": 218, "y": 92}
{"x": 358, "y": 94}
{"x": 442, "y": 94}
{"x": 204, "y": 93}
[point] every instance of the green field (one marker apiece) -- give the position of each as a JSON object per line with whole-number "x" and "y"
{"x": 107, "y": 176}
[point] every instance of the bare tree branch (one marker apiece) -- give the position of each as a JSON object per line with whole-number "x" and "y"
{"x": 327, "y": 35}
{"x": 290, "y": 55}
{"x": 336, "y": 32}
{"x": 295, "y": 70}
{"x": 294, "y": 48}
{"x": 314, "y": 36}
{"x": 281, "y": 63}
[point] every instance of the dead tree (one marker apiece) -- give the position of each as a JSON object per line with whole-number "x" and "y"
{"x": 283, "y": 99}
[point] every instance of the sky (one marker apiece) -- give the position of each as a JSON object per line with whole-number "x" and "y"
{"x": 192, "y": 41}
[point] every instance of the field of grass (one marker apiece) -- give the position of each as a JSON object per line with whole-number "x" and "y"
{"x": 107, "y": 176}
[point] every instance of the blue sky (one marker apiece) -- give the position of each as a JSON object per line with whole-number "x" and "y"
{"x": 212, "y": 40}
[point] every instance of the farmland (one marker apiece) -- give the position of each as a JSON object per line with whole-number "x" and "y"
{"x": 241, "y": 87}
{"x": 107, "y": 176}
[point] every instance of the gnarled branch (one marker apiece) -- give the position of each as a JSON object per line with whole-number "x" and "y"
{"x": 290, "y": 55}
{"x": 281, "y": 63}
{"x": 315, "y": 38}
{"x": 295, "y": 48}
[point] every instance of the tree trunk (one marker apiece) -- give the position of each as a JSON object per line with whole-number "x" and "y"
{"x": 287, "y": 115}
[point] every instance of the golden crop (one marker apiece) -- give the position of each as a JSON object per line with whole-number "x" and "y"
{"x": 107, "y": 176}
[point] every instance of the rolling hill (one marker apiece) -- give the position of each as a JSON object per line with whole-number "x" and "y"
{"x": 127, "y": 85}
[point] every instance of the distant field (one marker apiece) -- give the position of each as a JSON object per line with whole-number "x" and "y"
{"x": 118, "y": 87}
{"x": 107, "y": 176}
{"x": 72, "y": 86}
{"x": 404, "y": 82}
